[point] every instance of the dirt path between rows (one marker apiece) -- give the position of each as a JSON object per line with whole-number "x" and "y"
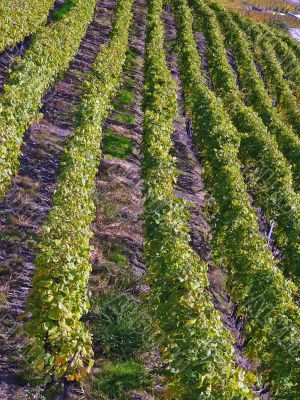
{"x": 118, "y": 227}
{"x": 119, "y": 179}
{"x": 28, "y": 199}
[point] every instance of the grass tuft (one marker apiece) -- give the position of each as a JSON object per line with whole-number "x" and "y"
{"x": 117, "y": 146}
{"x": 118, "y": 258}
{"x": 125, "y": 119}
{"x": 124, "y": 98}
{"x": 121, "y": 326}
{"x": 63, "y": 10}
{"x": 116, "y": 379}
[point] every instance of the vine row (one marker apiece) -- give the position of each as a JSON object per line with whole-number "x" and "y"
{"x": 60, "y": 344}
{"x": 286, "y": 48}
{"x": 196, "y": 347}
{"x": 274, "y": 76}
{"x": 19, "y": 19}
{"x": 48, "y": 57}
{"x": 256, "y": 94}
{"x": 269, "y": 174}
{"x": 264, "y": 296}
{"x": 278, "y": 86}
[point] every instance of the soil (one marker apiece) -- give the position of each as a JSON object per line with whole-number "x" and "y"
{"x": 202, "y": 48}
{"x": 119, "y": 180}
{"x": 118, "y": 226}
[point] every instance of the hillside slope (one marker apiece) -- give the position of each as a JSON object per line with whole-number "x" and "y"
{"x": 150, "y": 210}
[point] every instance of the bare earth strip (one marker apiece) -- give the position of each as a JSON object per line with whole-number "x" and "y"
{"x": 119, "y": 207}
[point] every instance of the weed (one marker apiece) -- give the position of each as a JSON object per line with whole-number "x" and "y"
{"x": 125, "y": 119}
{"x": 118, "y": 258}
{"x": 131, "y": 55}
{"x": 125, "y": 97}
{"x": 105, "y": 207}
{"x": 63, "y": 10}
{"x": 129, "y": 83}
{"x": 3, "y": 298}
{"x": 117, "y": 146}
{"x": 116, "y": 379}
{"x": 114, "y": 254}
{"x": 121, "y": 326}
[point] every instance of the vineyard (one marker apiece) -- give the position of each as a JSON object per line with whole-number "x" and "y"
{"x": 149, "y": 201}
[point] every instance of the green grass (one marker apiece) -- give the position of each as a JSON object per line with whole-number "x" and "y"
{"x": 122, "y": 326}
{"x": 63, "y": 10}
{"x": 114, "y": 253}
{"x": 116, "y": 379}
{"x": 125, "y": 119}
{"x": 118, "y": 258}
{"x": 129, "y": 83}
{"x": 4, "y": 271}
{"x": 125, "y": 97}
{"x": 131, "y": 56}
{"x": 105, "y": 206}
{"x": 3, "y": 298}
{"x": 117, "y": 146}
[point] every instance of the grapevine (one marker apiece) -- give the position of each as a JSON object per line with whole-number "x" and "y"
{"x": 253, "y": 278}
{"x": 43, "y": 63}
{"x": 196, "y": 347}
{"x": 19, "y": 19}
{"x": 60, "y": 342}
